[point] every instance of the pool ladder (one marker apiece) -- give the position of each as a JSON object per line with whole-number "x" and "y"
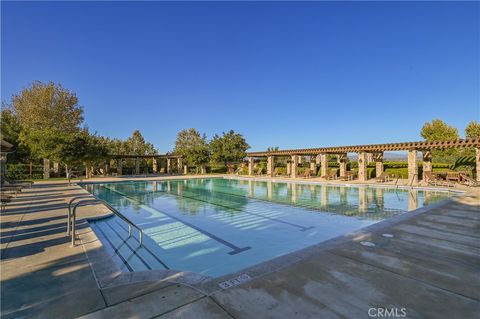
{"x": 72, "y": 216}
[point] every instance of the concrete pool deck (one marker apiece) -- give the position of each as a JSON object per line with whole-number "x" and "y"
{"x": 427, "y": 262}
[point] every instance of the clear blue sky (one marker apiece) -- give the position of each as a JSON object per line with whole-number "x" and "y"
{"x": 282, "y": 74}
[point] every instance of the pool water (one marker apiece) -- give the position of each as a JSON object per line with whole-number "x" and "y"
{"x": 215, "y": 226}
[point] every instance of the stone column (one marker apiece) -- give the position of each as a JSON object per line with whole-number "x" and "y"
{"x": 169, "y": 165}
{"x": 119, "y": 166}
{"x": 179, "y": 165}
{"x": 154, "y": 165}
{"x": 427, "y": 164}
{"x": 293, "y": 170}
{"x": 289, "y": 168}
{"x": 412, "y": 167}
{"x": 56, "y": 167}
{"x": 477, "y": 159}
{"x": 3, "y": 163}
{"x": 271, "y": 166}
{"x": 137, "y": 166}
{"x": 324, "y": 165}
{"x": 88, "y": 171}
{"x": 106, "y": 168}
{"x": 342, "y": 161}
{"x": 185, "y": 169}
{"x": 378, "y": 163}
{"x": 250, "y": 166}
{"x": 362, "y": 167}
{"x": 46, "y": 168}
{"x": 203, "y": 169}
{"x": 313, "y": 165}
{"x": 370, "y": 158}
{"x": 300, "y": 159}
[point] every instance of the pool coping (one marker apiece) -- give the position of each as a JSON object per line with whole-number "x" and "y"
{"x": 109, "y": 274}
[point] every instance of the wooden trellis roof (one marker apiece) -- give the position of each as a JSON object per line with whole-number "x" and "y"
{"x": 145, "y": 156}
{"x": 405, "y": 146}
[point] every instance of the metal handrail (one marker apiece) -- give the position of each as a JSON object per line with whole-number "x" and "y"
{"x": 125, "y": 219}
{"x": 70, "y": 210}
{"x": 73, "y": 215}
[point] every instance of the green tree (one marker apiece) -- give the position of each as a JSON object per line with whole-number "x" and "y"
{"x": 228, "y": 148}
{"x": 81, "y": 148}
{"x": 273, "y": 149}
{"x": 472, "y": 130}
{"x": 10, "y": 132}
{"x": 136, "y": 145}
{"x": 48, "y": 115}
{"x": 438, "y": 130}
{"x": 193, "y": 147}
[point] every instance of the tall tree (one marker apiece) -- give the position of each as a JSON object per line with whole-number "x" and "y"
{"x": 10, "y": 132}
{"x": 48, "y": 115}
{"x": 193, "y": 147}
{"x": 82, "y": 148}
{"x": 230, "y": 147}
{"x": 136, "y": 145}
{"x": 472, "y": 130}
{"x": 438, "y": 130}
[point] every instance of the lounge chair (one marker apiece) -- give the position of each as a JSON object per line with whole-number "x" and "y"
{"x": 307, "y": 173}
{"x": 349, "y": 176}
{"x": 430, "y": 179}
{"x": 9, "y": 182}
{"x": 467, "y": 180}
{"x": 332, "y": 175}
{"x": 383, "y": 178}
{"x": 4, "y": 200}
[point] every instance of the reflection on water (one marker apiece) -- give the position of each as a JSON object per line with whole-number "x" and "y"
{"x": 194, "y": 195}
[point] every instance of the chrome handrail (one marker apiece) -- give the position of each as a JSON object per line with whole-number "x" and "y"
{"x": 70, "y": 210}
{"x": 125, "y": 219}
{"x": 72, "y": 215}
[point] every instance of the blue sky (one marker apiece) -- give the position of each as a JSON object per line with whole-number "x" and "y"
{"x": 283, "y": 74}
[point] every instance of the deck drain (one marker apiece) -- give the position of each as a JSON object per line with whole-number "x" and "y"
{"x": 367, "y": 243}
{"x": 234, "y": 281}
{"x": 388, "y": 235}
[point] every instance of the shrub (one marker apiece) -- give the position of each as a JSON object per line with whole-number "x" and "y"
{"x": 22, "y": 171}
{"x": 218, "y": 170}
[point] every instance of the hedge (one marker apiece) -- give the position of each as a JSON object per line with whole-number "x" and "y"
{"x": 22, "y": 171}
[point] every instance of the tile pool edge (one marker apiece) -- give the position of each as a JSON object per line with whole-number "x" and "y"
{"x": 210, "y": 284}
{"x": 256, "y": 271}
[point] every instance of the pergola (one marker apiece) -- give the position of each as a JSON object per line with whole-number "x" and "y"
{"x": 120, "y": 159}
{"x": 170, "y": 158}
{"x": 374, "y": 151}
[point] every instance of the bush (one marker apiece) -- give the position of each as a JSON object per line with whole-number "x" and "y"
{"x": 218, "y": 170}
{"x": 22, "y": 171}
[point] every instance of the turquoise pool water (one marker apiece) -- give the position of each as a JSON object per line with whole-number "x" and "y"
{"x": 216, "y": 226}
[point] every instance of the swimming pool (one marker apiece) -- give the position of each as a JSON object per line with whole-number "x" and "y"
{"x": 215, "y": 226}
